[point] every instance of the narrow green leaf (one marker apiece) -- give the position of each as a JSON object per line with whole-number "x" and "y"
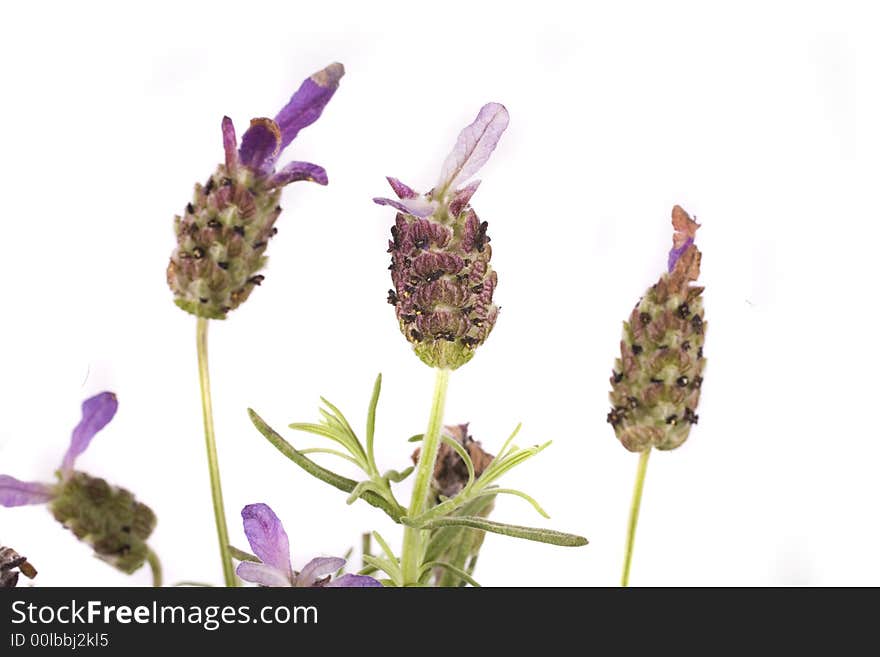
{"x": 508, "y": 441}
{"x": 195, "y": 584}
{"x": 324, "y": 450}
{"x": 454, "y": 569}
{"x": 515, "y": 531}
{"x": 387, "y": 567}
{"x": 517, "y": 493}
{"x": 462, "y": 452}
{"x": 340, "y": 417}
{"x": 397, "y": 477}
{"x": 419, "y": 437}
{"x": 241, "y": 555}
{"x": 500, "y": 466}
{"x": 371, "y": 422}
{"x": 385, "y": 547}
{"x": 337, "y": 435}
{"x": 337, "y": 481}
{"x": 442, "y": 538}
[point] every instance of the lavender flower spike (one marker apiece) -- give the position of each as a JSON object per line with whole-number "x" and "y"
{"x": 108, "y": 518}
{"x": 443, "y": 282}
{"x": 657, "y": 379}
{"x": 223, "y": 232}
{"x": 270, "y": 544}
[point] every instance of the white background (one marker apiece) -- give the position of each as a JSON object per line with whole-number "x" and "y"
{"x": 759, "y": 118}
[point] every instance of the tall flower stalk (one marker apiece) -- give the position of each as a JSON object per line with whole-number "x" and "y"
{"x": 223, "y": 234}
{"x": 443, "y": 286}
{"x": 657, "y": 380}
{"x": 412, "y": 537}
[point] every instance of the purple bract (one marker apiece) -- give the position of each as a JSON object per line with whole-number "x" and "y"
{"x": 270, "y": 544}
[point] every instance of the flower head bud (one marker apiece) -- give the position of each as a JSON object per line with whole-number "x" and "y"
{"x": 107, "y": 518}
{"x": 440, "y": 253}
{"x": 223, "y": 232}
{"x": 657, "y": 379}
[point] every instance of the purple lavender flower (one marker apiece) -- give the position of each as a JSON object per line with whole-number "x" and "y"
{"x": 443, "y": 282}
{"x": 269, "y": 542}
{"x": 223, "y": 233}
{"x": 104, "y": 516}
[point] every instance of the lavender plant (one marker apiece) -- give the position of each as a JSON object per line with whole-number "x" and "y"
{"x": 107, "y": 518}
{"x": 443, "y": 298}
{"x": 656, "y": 382}
{"x": 224, "y": 231}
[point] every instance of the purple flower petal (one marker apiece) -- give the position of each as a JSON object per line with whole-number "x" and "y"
{"x": 97, "y": 411}
{"x": 20, "y": 493}
{"x": 260, "y": 145}
{"x": 267, "y": 537}
{"x": 306, "y": 105}
{"x": 675, "y": 254}
{"x": 229, "y": 143}
{"x": 418, "y": 207}
{"x": 474, "y": 146}
{"x": 349, "y": 580}
{"x": 685, "y": 231}
{"x": 318, "y": 568}
{"x": 402, "y": 191}
{"x": 299, "y": 171}
{"x": 260, "y": 573}
{"x": 462, "y": 197}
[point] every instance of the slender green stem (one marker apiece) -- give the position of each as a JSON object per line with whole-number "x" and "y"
{"x": 155, "y": 566}
{"x": 412, "y": 538}
{"x": 634, "y": 515}
{"x": 211, "y": 446}
{"x": 366, "y": 547}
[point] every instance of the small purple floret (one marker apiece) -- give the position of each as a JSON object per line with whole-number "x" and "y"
{"x": 265, "y": 139}
{"x": 21, "y": 493}
{"x": 295, "y": 171}
{"x": 402, "y": 190}
{"x": 97, "y": 412}
{"x": 306, "y": 105}
{"x": 269, "y": 542}
{"x": 675, "y": 254}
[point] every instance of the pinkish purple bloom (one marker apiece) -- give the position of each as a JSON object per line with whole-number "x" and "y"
{"x": 269, "y": 542}
{"x": 443, "y": 282}
{"x": 97, "y": 412}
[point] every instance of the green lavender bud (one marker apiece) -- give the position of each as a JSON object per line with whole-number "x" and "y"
{"x": 657, "y": 379}
{"x": 107, "y": 518}
{"x": 221, "y": 240}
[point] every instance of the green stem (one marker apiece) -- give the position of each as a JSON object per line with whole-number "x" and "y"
{"x": 634, "y": 515}
{"x": 411, "y": 556}
{"x": 366, "y": 546}
{"x": 211, "y": 446}
{"x": 155, "y": 567}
